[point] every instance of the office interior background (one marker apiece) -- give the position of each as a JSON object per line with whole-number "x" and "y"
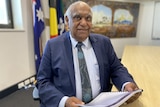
{"x": 17, "y": 48}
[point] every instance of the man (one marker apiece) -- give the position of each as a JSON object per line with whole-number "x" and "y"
{"x": 59, "y": 77}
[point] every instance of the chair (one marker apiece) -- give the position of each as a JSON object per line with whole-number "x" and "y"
{"x": 35, "y": 94}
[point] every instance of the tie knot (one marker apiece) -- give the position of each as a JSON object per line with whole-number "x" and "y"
{"x": 79, "y": 44}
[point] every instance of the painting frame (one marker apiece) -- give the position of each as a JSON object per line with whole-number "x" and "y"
{"x": 116, "y": 29}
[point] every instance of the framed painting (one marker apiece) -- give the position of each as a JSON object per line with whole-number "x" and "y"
{"x": 114, "y": 19}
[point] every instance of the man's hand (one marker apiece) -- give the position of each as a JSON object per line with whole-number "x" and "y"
{"x": 72, "y": 101}
{"x": 132, "y": 87}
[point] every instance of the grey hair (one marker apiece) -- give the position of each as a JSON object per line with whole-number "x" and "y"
{"x": 70, "y": 9}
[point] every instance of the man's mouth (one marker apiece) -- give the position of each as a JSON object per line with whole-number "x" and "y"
{"x": 83, "y": 30}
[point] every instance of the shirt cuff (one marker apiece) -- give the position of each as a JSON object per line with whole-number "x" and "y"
{"x": 63, "y": 101}
{"x": 122, "y": 89}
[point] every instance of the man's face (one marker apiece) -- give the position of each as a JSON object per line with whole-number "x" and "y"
{"x": 80, "y": 22}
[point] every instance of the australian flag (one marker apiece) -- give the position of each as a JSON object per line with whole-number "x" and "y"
{"x": 38, "y": 24}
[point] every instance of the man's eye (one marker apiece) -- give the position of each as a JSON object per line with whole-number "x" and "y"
{"x": 89, "y": 18}
{"x": 77, "y": 17}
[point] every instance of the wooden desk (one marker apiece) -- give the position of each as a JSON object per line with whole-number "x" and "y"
{"x": 143, "y": 62}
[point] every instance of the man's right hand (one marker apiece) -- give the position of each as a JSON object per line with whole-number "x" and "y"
{"x": 72, "y": 101}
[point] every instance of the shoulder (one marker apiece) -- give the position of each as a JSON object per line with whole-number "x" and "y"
{"x": 99, "y": 38}
{"x": 59, "y": 39}
{"x": 58, "y": 43}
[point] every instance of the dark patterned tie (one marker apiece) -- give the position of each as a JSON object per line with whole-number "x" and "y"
{"x": 85, "y": 81}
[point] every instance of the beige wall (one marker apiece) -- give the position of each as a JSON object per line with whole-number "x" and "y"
{"x": 16, "y": 50}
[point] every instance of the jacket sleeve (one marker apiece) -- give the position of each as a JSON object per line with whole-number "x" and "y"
{"x": 50, "y": 96}
{"x": 119, "y": 73}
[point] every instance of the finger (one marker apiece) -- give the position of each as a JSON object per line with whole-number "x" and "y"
{"x": 130, "y": 87}
{"x": 72, "y": 102}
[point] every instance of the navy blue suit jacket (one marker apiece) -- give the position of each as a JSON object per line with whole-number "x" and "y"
{"x": 56, "y": 76}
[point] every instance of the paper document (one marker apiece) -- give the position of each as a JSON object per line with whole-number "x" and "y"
{"x": 111, "y": 99}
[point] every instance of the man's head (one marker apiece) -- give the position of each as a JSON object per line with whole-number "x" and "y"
{"x": 78, "y": 17}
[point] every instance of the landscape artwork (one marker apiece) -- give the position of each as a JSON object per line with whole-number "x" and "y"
{"x": 114, "y": 19}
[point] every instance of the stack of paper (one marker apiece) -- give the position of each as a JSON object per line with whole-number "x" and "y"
{"x": 111, "y": 99}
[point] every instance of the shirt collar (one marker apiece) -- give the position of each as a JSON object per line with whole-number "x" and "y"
{"x": 74, "y": 42}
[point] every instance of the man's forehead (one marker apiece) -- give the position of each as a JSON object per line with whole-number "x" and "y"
{"x": 82, "y": 13}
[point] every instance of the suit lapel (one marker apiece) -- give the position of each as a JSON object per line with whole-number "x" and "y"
{"x": 99, "y": 55}
{"x": 69, "y": 61}
{"x": 69, "y": 56}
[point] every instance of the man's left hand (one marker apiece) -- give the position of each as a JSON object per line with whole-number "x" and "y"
{"x": 132, "y": 87}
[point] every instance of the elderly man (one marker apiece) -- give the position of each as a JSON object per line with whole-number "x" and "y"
{"x": 76, "y": 66}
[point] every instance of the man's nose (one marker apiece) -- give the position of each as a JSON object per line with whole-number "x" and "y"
{"x": 83, "y": 21}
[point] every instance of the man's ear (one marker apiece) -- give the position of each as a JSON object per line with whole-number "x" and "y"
{"x": 66, "y": 23}
{"x": 66, "y": 20}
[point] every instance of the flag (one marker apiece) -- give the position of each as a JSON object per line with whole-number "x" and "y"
{"x": 38, "y": 25}
{"x": 53, "y": 20}
{"x": 60, "y": 16}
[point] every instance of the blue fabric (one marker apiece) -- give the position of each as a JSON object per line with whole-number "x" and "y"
{"x": 60, "y": 16}
{"x": 56, "y": 76}
{"x": 38, "y": 28}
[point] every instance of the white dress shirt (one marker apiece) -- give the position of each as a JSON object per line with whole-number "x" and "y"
{"x": 93, "y": 70}
{"x": 92, "y": 66}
